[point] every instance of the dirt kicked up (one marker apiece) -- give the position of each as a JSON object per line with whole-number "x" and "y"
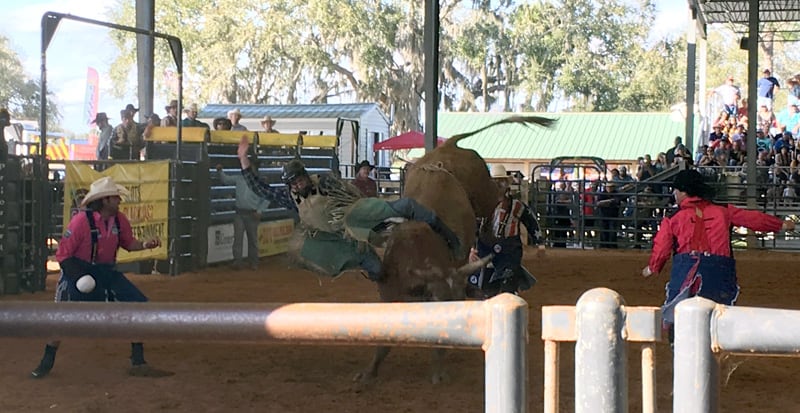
{"x": 91, "y": 376}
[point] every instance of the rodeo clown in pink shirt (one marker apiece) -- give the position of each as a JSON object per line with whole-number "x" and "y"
{"x": 698, "y": 237}
{"x": 87, "y": 254}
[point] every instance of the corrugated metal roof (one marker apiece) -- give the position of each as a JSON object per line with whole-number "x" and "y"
{"x": 325, "y": 111}
{"x": 611, "y": 136}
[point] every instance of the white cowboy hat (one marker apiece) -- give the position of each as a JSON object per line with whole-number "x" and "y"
{"x": 267, "y": 119}
{"x": 102, "y": 188}
{"x": 499, "y": 171}
{"x": 234, "y": 111}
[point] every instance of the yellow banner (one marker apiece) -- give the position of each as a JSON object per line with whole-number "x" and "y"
{"x": 147, "y": 208}
{"x": 273, "y": 237}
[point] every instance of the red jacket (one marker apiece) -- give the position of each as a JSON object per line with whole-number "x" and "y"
{"x": 678, "y": 230}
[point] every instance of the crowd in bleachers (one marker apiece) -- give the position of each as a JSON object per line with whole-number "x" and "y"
{"x": 778, "y": 160}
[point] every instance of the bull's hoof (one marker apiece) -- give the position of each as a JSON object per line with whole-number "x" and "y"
{"x": 362, "y": 380}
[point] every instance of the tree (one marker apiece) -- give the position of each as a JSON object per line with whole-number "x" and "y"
{"x": 19, "y": 94}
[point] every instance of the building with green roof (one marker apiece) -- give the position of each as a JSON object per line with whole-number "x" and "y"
{"x": 618, "y": 137}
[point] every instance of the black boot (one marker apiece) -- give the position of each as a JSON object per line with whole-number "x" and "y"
{"x": 47, "y": 362}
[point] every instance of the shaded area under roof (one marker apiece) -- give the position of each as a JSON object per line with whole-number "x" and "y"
{"x": 611, "y": 136}
{"x": 737, "y": 14}
{"x": 322, "y": 111}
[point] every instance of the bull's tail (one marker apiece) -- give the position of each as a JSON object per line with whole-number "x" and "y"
{"x": 523, "y": 120}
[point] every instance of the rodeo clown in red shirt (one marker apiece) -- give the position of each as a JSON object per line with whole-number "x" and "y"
{"x": 87, "y": 255}
{"x": 698, "y": 236}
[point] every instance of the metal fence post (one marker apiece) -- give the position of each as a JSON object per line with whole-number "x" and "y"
{"x": 505, "y": 353}
{"x": 696, "y": 371}
{"x": 601, "y": 384}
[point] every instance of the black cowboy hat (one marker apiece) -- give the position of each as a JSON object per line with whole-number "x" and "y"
{"x": 363, "y": 164}
{"x": 691, "y": 182}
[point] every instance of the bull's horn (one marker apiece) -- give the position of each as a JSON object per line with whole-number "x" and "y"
{"x": 524, "y": 120}
{"x": 473, "y": 266}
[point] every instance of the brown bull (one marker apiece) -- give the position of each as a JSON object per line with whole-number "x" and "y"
{"x": 418, "y": 265}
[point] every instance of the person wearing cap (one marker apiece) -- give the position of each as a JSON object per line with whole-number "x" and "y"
{"x": 698, "y": 238}
{"x": 88, "y": 248}
{"x": 363, "y": 182}
{"x": 171, "y": 119}
{"x": 104, "y": 139}
{"x": 235, "y": 116}
{"x": 267, "y": 123}
{"x": 500, "y": 235}
{"x": 767, "y": 86}
{"x": 325, "y": 205}
{"x": 730, "y": 95}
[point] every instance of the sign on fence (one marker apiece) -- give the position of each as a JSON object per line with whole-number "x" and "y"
{"x": 147, "y": 207}
{"x": 273, "y": 239}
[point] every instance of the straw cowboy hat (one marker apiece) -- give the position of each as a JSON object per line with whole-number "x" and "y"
{"x": 498, "y": 172}
{"x": 102, "y": 188}
{"x": 268, "y": 119}
{"x": 191, "y": 108}
{"x": 172, "y": 104}
{"x": 235, "y": 111}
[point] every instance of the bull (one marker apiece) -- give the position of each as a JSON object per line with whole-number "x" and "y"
{"x": 418, "y": 265}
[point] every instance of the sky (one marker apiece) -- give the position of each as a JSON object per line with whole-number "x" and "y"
{"x": 79, "y": 46}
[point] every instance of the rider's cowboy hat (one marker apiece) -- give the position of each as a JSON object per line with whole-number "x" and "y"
{"x": 102, "y": 188}
{"x": 498, "y": 172}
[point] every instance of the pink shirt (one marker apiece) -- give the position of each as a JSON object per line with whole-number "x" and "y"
{"x": 77, "y": 239}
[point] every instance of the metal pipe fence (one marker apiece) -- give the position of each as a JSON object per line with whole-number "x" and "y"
{"x": 600, "y": 325}
{"x": 498, "y": 326}
{"x": 705, "y": 329}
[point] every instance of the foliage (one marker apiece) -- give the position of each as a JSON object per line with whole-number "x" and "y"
{"x": 509, "y": 55}
{"x": 18, "y": 93}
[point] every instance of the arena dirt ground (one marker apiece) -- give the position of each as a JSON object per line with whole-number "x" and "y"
{"x": 91, "y": 376}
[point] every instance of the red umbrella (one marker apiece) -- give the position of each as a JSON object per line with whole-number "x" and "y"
{"x": 408, "y": 140}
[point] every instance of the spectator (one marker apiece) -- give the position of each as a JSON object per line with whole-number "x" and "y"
{"x": 609, "y": 204}
{"x": 248, "y": 216}
{"x": 794, "y": 91}
{"x": 222, "y": 123}
{"x": 124, "y": 135}
{"x": 104, "y": 139}
{"x": 767, "y": 86}
{"x": 172, "y": 114}
{"x": 267, "y": 123}
{"x": 765, "y": 118}
{"x": 191, "y": 118}
{"x": 235, "y": 116}
{"x": 730, "y": 95}
{"x": 789, "y": 118}
{"x": 81, "y": 254}
{"x": 672, "y": 151}
{"x": 363, "y": 182}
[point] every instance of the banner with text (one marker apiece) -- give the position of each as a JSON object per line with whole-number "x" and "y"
{"x": 273, "y": 239}
{"x": 147, "y": 208}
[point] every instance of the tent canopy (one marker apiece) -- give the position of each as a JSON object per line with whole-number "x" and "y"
{"x": 408, "y": 140}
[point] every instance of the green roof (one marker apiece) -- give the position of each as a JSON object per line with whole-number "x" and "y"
{"x": 611, "y": 136}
